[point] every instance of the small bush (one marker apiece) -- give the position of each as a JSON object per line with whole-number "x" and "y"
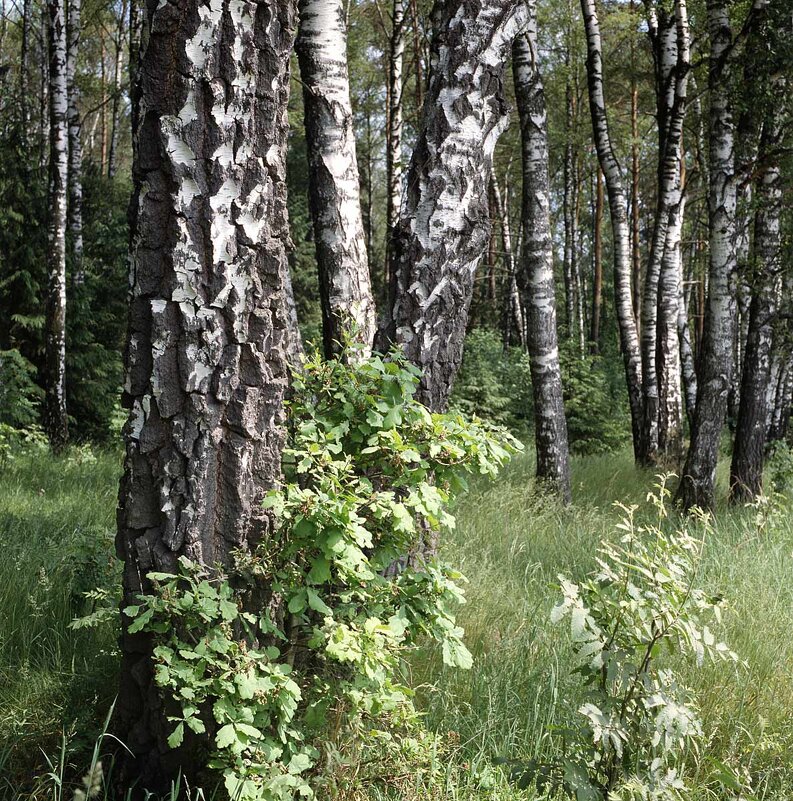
{"x": 640, "y": 605}
{"x": 314, "y": 665}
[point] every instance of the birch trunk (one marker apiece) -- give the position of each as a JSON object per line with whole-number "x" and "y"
{"x": 669, "y": 35}
{"x": 55, "y": 418}
{"x": 345, "y": 290}
{"x": 618, "y": 210}
{"x": 699, "y": 473}
{"x": 444, "y": 222}
{"x": 748, "y": 458}
{"x": 597, "y": 271}
{"x": 394, "y": 129}
{"x": 112, "y": 156}
{"x": 513, "y": 306}
{"x": 687, "y": 362}
{"x": 206, "y": 349}
{"x": 75, "y": 206}
{"x": 24, "y": 57}
{"x": 550, "y": 427}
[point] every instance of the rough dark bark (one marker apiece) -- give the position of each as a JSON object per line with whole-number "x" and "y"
{"x": 618, "y": 210}
{"x": 206, "y": 350}
{"x": 345, "y": 289}
{"x": 444, "y": 222}
{"x": 716, "y": 362}
{"x": 550, "y": 426}
{"x": 748, "y": 458}
{"x": 56, "y": 422}
{"x": 75, "y": 206}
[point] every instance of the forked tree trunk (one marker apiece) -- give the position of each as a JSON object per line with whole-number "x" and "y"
{"x": 748, "y": 458}
{"x": 75, "y": 211}
{"x": 444, "y": 223}
{"x": 345, "y": 289}
{"x": 669, "y": 35}
{"x": 618, "y": 210}
{"x": 550, "y": 426}
{"x": 394, "y": 128}
{"x": 55, "y": 418}
{"x": 699, "y": 473}
{"x": 206, "y": 349}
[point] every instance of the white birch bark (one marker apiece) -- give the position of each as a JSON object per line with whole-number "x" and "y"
{"x": 75, "y": 204}
{"x": 513, "y": 303}
{"x": 669, "y": 34}
{"x": 394, "y": 139}
{"x": 345, "y": 288}
{"x": 112, "y": 156}
{"x": 716, "y": 362}
{"x": 55, "y": 418}
{"x": 550, "y": 426}
{"x": 618, "y": 210}
{"x": 205, "y": 360}
{"x": 748, "y": 458}
{"x": 444, "y": 224}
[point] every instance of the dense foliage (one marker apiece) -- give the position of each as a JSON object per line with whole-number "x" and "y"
{"x": 298, "y": 649}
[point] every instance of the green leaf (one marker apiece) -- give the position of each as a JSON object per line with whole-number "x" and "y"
{"x": 226, "y": 736}
{"x": 176, "y": 736}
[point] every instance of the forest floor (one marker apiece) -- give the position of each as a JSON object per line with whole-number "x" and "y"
{"x": 57, "y": 683}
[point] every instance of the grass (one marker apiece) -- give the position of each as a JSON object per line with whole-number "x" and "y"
{"x": 56, "y": 684}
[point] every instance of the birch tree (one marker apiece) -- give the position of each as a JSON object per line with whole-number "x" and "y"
{"x": 75, "y": 204}
{"x": 550, "y": 426}
{"x": 716, "y": 361}
{"x": 748, "y": 457}
{"x": 394, "y": 128}
{"x": 444, "y": 224}
{"x": 618, "y": 211}
{"x": 206, "y": 349}
{"x": 55, "y": 418}
{"x": 345, "y": 288}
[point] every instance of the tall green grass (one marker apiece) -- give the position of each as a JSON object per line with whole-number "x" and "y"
{"x": 56, "y": 684}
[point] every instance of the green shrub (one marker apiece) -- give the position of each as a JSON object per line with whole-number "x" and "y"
{"x": 639, "y": 605}
{"x": 315, "y": 663}
{"x": 597, "y": 420}
{"x": 494, "y": 383}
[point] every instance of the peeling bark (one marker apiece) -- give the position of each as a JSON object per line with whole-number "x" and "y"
{"x": 345, "y": 290}
{"x": 550, "y": 426}
{"x": 55, "y": 418}
{"x": 444, "y": 225}
{"x": 206, "y": 349}
{"x": 716, "y": 361}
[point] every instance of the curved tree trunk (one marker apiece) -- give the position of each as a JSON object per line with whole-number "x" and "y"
{"x": 345, "y": 289}
{"x": 444, "y": 223}
{"x": 75, "y": 211}
{"x": 206, "y": 349}
{"x": 716, "y": 362}
{"x": 748, "y": 458}
{"x": 618, "y": 210}
{"x": 550, "y": 426}
{"x": 55, "y": 418}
